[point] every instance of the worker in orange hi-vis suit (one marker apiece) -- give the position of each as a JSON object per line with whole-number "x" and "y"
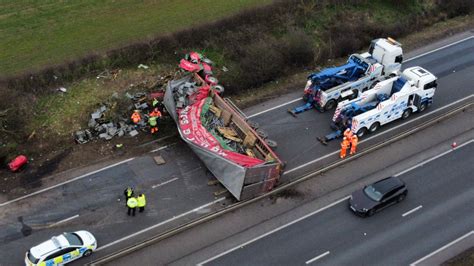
{"x": 354, "y": 141}
{"x": 344, "y": 146}
{"x": 136, "y": 117}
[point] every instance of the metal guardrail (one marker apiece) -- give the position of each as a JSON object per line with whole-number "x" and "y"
{"x": 468, "y": 102}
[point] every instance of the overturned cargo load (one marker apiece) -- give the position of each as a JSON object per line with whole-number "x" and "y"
{"x": 234, "y": 153}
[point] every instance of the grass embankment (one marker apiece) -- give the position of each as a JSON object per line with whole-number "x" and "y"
{"x": 38, "y": 33}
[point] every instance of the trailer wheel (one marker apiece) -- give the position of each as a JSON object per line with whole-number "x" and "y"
{"x": 374, "y": 127}
{"x": 330, "y": 105}
{"x": 422, "y": 107}
{"x": 253, "y": 124}
{"x": 362, "y": 132}
{"x": 271, "y": 143}
{"x": 262, "y": 133}
{"x": 406, "y": 114}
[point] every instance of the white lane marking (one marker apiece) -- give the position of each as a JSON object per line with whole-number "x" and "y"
{"x": 434, "y": 158}
{"x": 273, "y": 108}
{"x": 440, "y": 48}
{"x": 65, "y": 220}
{"x": 160, "y": 148}
{"x": 318, "y": 257}
{"x": 407, "y": 60}
{"x": 380, "y": 134}
{"x": 412, "y": 211}
{"x": 63, "y": 183}
{"x": 442, "y": 248}
{"x": 159, "y": 224}
{"x": 164, "y": 183}
{"x": 273, "y": 231}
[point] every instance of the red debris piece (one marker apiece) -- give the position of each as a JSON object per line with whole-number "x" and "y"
{"x": 159, "y": 95}
{"x": 17, "y": 163}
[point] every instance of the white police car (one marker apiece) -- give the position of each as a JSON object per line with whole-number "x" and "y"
{"x": 62, "y": 249}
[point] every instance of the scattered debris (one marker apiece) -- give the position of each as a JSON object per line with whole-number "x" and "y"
{"x": 159, "y": 160}
{"x": 101, "y": 127}
{"x": 143, "y": 66}
{"x": 17, "y": 163}
{"x": 109, "y": 74}
{"x": 62, "y": 89}
{"x": 225, "y": 69}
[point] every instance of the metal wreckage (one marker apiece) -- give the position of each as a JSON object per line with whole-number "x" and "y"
{"x": 217, "y": 132}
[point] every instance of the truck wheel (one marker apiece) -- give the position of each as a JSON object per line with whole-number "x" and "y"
{"x": 374, "y": 127}
{"x": 253, "y": 124}
{"x": 271, "y": 143}
{"x": 362, "y": 132}
{"x": 422, "y": 107}
{"x": 330, "y": 105}
{"x": 406, "y": 114}
{"x": 262, "y": 133}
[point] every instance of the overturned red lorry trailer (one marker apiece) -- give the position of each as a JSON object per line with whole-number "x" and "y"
{"x": 229, "y": 147}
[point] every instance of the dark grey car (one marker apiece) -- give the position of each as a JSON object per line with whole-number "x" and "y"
{"x": 374, "y": 197}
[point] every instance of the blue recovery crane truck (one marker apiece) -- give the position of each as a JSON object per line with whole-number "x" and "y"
{"x": 389, "y": 100}
{"x": 326, "y": 88}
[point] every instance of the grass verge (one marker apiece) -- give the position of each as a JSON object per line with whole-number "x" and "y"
{"x": 39, "y": 33}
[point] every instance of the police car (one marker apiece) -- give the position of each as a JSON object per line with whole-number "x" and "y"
{"x": 62, "y": 249}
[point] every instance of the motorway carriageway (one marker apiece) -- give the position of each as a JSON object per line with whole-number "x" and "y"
{"x": 437, "y": 210}
{"x": 177, "y": 191}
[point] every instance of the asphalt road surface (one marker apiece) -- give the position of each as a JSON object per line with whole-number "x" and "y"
{"x": 178, "y": 190}
{"x": 398, "y": 235}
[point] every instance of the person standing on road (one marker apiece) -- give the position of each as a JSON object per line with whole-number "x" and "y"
{"x": 344, "y": 146}
{"x": 132, "y": 205}
{"x": 128, "y": 192}
{"x": 141, "y": 202}
{"x": 354, "y": 141}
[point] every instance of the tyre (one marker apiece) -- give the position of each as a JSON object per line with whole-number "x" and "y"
{"x": 370, "y": 213}
{"x": 87, "y": 253}
{"x": 401, "y": 197}
{"x": 422, "y": 107}
{"x": 406, "y": 114}
{"x": 219, "y": 89}
{"x": 253, "y": 124}
{"x": 330, "y": 105}
{"x": 362, "y": 132}
{"x": 262, "y": 133}
{"x": 374, "y": 127}
{"x": 271, "y": 143}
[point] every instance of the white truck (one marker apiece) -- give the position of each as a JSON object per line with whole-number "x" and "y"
{"x": 326, "y": 88}
{"x": 388, "y": 100}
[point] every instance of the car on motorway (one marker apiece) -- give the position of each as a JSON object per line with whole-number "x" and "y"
{"x": 374, "y": 197}
{"x": 62, "y": 249}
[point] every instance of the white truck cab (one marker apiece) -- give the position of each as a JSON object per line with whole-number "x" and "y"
{"x": 388, "y": 100}
{"x": 383, "y": 60}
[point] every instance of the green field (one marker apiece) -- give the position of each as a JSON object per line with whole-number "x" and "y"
{"x": 36, "y": 33}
